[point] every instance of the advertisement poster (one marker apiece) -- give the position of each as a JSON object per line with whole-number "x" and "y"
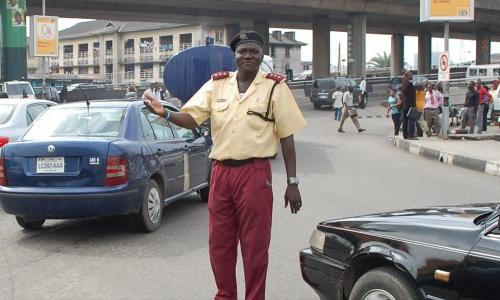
{"x": 12, "y": 4}
{"x": 45, "y": 36}
{"x": 18, "y": 17}
{"x": 446, "y": 10}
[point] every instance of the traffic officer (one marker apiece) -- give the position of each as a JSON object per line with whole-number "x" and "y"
{"x": 250, "y": 113}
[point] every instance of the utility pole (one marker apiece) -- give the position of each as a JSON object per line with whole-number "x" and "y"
{"x": 446, "y": 88}
{"x": 44, "y": 62}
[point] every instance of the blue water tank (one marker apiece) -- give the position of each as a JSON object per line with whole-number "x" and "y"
{"x": 186, "y": 72}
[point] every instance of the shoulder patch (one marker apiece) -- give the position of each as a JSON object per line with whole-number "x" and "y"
{"x": 275, "y": 77}
{"x": 220, "y": 75}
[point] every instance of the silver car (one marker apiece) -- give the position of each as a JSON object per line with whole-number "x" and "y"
{"x": 17, "y": 114}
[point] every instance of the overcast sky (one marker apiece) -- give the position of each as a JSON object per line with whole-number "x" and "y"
{"x": 460, "y": 50}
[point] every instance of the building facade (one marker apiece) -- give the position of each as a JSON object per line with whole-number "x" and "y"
{"x": 126, "y": 53}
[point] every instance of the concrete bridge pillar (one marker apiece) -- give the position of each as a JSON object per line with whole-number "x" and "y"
{"x": 13, "y": 56}
{"x": 483, "y": 47}
{"x": 356, "y": 45}
{"x": 321, "y": 47}
{"x": 231, "y": 30}
{"x": 424, "y": 52}
{"x": 262, "y": 27}
{"x": 397, "y": 53}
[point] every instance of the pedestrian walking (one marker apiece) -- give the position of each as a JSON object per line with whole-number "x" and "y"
{"x": 486, "y": 107}
{"x": 131, "y": 93}
{"x": 64, "y": 94}
{"x": 471, "y": 104}
{"x": 431, "y": 110}
{"x": 337, "y": 103}
{"x": 363, "y": 95}
{"x": 250, "y": 113}
{"x": 483, "y": 98}
{"x": 349, "y": 111}
{"x": 394, "y": 110}
{"x": 52, "y": 94}
{"x": 409, "y": 104}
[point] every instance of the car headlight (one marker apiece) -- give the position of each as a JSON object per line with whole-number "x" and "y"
{"x": 317, "y": 240}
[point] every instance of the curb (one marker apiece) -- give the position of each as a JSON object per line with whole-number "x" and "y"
{"x": 453, "y": 159}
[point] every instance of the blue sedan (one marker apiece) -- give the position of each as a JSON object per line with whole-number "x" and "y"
{"x": 105, "y": 158}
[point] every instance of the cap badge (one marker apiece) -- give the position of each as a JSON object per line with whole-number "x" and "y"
{"x": 243, "y": 36}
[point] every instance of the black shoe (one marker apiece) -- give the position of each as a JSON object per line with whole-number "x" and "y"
{"x": 340, "y": 130}
{"x": 361, "y": 130}
{"x": 414, "y": 138}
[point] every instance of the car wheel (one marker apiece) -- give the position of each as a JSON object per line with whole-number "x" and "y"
{"x": 148, "y": 219}
{"x": 384, "y": 283}
{"x": 30, "y": 225}
{"x": 317, "y": 106}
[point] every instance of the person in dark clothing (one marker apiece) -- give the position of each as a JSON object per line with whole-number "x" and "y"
{"x": 471, "y": 103}
{"x": 63, "y": 95}
{"x": 408, "y": 100}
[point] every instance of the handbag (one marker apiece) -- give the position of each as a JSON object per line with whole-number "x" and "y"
{"x": 352, "y": 112}
{"x": 414, "y": 113}
{"x": 440, "y": 109}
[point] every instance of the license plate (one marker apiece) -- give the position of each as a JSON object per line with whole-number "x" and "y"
{"x": 323, "y": 97}
{"x": 50, "y": 165}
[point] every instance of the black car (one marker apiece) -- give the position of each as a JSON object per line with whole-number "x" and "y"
{"x": 395, "y": 82}
{"x": 434, "y": 253}
{"x": 323, "y": 89}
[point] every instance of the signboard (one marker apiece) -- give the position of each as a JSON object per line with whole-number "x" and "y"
{"x": 444, "y": 67}
{"x": 446, "y": 10}
{"x": 44, "y": 36}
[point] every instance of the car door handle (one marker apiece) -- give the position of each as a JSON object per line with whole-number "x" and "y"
{"x": 159, "y": 152}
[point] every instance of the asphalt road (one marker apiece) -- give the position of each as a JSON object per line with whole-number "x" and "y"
{"x": 341, "y": 175}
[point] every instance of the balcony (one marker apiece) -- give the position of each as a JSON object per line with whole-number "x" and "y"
{"x": 108, "y": 60}
{"x": 109, "y": 76}
{"x": 68, "y": 63}
{"x": 129, "y": 75}
{"x": 147, "y": 75}
{"x": 96, "y": 60}
{"x": 165, "y": 54}
{"x": 146, "y": 55}
{"x": 83, "y": 58}
{"x": 54, "y": 63}
{"x": 184, "y": 46}
{"x": 109, "y": 52}
{"x": 68, "y": 55}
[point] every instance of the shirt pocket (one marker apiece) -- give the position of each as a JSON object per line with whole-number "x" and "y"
{"x": 255, "y": 113}
{"x": 219, "y": 114}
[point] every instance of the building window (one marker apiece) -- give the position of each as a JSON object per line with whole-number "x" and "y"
{"x": 109, "y": 48}
{"x": 129, "y": 47}
{"x": 83, "y": 70}
{"x": 287, "y": 51}
{"x": 147, "y": 71}
{"x": 166, "y": 43}
{"x": 129, "y": 71}
{"x": 185, "y": 41}
{"x": 219, "y": 37}
{"x": 273, "y": 51}
{"x": 68, "y": 70}
{"x": 97, "y": 70}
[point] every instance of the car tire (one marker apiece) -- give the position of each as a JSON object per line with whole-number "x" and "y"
{"x": 386, "y": 283}
{"x": 30, "y": 225}
{"x": 317, "y": 106}
{"x": 148, "y": 219}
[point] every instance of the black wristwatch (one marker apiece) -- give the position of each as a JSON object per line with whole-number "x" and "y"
{"x": 292, "y": 180}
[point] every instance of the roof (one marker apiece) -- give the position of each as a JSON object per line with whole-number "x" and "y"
{"x": 99, "y": 27}
{"x": 23, "y": 100}
{"x": 284, "y": 41}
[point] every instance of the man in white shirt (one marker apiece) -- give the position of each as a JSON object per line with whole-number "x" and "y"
{"x": 337, "y": 103}
{"x": 363, "y": 95}
{"x": 349, "y": 111}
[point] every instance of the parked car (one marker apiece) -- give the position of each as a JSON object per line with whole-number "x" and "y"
{"x": 17, "y": 114}
{"x": 435, "y": 253}
{"x": 108, "y": 158}
{"x": 395, "y": 82}
{"x": 323, "y": 89}
{"x": 18, "y": 89}
{"x": 83, "y": 86}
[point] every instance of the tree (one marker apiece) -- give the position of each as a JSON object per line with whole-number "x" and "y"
{"x": 380, "y": 61}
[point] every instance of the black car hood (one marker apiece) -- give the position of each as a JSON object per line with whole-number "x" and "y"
{"x": 446, "y": 226}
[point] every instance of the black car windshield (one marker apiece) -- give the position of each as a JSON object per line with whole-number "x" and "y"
{"x": 6, "y": 111}
{"x": 324, "y": 84}
{"x": 77, "y": 121}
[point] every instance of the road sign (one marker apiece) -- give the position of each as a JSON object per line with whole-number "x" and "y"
{"x": 444, "y": 66}
{"x": 44, "y": 36}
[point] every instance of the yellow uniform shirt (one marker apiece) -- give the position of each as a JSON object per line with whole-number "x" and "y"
{"x": 237, "y": 135}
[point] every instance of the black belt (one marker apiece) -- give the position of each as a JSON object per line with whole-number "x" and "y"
{"x": 238, "y": 163}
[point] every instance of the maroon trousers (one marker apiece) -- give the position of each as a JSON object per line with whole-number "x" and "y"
{"x": 240, "y": 210}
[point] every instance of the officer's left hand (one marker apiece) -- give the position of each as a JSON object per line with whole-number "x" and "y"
{"x": 292, "y": 197}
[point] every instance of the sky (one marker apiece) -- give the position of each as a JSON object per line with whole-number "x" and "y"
{"x": 460, "y": 50}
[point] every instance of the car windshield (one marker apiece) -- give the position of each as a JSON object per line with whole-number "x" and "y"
{"x": 17, "y": 88}
{"x": 324, "y": 84}
{"x": 6, "y": 111}
{"x": 77, "y": 121}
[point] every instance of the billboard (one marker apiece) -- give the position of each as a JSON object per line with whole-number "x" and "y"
{"x": 446, "y": 10}
{"x": 44, "y": 36}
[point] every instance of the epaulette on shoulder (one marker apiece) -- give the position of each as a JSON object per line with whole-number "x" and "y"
{"x": 275, "y": 77}
{"x": 220, "y": 75}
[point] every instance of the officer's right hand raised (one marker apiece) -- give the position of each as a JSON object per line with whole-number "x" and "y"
{"x": 152, "y": 103}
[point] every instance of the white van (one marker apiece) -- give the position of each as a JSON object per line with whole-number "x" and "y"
{"x": 17, "y": 89}
{"x": 486, "y": 73}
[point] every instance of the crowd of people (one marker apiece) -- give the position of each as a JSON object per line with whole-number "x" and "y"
{"x": 402, "y": 107}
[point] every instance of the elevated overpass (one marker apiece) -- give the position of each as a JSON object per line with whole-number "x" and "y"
{"x": 357, "y": 17}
